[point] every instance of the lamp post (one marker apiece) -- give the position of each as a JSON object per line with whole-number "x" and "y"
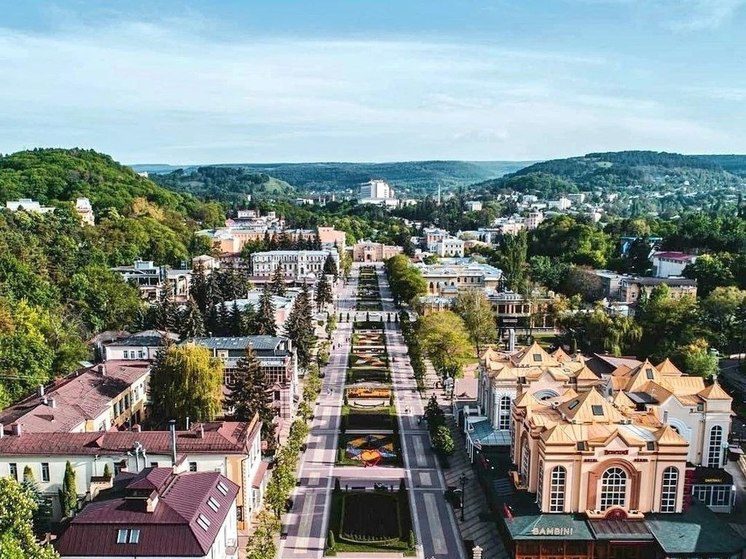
{"x": 463, "y": 480}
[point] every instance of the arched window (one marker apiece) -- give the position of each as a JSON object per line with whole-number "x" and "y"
{"x": 669, "y": 489}
{"x": 503, "y": 418}
{"x": 613, "y": 488}
{"x": 525, "y": 459}
{"x": 557, "y": 489}
{"x": 540, "y": 483}
{"x": 715, "y": 447}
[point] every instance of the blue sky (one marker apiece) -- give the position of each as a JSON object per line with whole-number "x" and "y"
{"x": 260, "y": 81}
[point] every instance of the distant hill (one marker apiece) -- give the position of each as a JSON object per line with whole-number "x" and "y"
{"x": 621, "y": 170}
{"x": 411, "y": 178}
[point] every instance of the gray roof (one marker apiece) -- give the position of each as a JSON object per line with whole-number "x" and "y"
{"x": 260, "y": 343}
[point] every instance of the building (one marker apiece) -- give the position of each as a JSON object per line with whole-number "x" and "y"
{"x": 99, "y": 398}
{"x": 633, "y": 288}
{"x": 561, "y": 204}
{"x": 431, "y": 236}
{"x": 205, "y": 263}
{"x": 533, "y": 220}
{"x": 667, "y": 263}
{"x": 331, "y": 239}
{"x": 368, "y": 251}
{"x": 450, "y": 247}
{"x": 295, "y": 264}
{"x": 473, "y": 206}
{"x": 232, "y": 449}
{"x": 611, "y": 283}
{"x": 142, "y": 346}
{"x": 85, "y": 211}
{"x": 592, "y": 475}
{"x": 154, "y": 282}
{"x": 28, "y": 205}
{"x": 282, "y": 304}
{"x": 377, "y": 192}
{"x": 450, "y": 275}
{"x": 276, "y": 357}
{"x": 159, "y": 512}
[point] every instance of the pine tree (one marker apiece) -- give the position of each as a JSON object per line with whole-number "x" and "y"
{"x": 317, "y": 241}
{"x": 330, "y": 267}
{"x": 250, "y": 321}
{"x": 265, "y": 318}
{"x": 284, "y": 242}
{"x": 69, "y": 492}
{"x": 212, "y": 322}
{"x": 273, "y": 242}
{"x": 200, "y": 289}
{"x": 278, "y": 281}
{"x": 236, "y": 321}
{"x": 267, "y": 241}
{"x": 300, "y": 329}
{"x": 192, "y": 325}
{"x": 224, "y": 318}
{"x": 165, "y": 314}
{"x": 323, "y": 292}
{"x": 251, "y": 395}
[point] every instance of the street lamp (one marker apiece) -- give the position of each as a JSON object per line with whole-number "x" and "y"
{"x": 463, "y": 480}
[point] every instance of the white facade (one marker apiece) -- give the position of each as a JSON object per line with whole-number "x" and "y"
{"x": 294, "y": 263}
{"x": 671, "y": 264}
{"x": 450, "y": 247}
{"x": 27, "y": 204}
{"x": 85, "y": 211}
{"x": 473, "y": 206}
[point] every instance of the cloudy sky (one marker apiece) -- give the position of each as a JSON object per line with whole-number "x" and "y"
{"x": 354, "y": 80}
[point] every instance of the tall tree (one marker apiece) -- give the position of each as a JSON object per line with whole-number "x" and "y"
{"x": 278, "y": 281}
{"x": 300, "y": 328}
{"x": 69, "y": 492}
{"x": 224, "y": 320}
{"x": 236, "y": 320}
{"x": 475, "y": 310}
{"x": 512, "y": 260}
{"x": 17, "y": 539}
{"x": 323, "y": 292}
{"x": 265, "y": 318}
{"x": 186, "y": 381}
{"x": 445, "y": 341}
{"x": 251, "y": 394}
{"x": 330, "y": 267}
{"x": 192, "y": 325}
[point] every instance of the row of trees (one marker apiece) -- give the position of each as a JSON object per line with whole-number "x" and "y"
{"x": 405, "y": 280}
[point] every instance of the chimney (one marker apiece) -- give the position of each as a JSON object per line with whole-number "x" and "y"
{"x": 102, "y": 369}
{"x": 16, "y": 429}
{"x": 2, "y": 430}
{"x": 137, "y": 428}
{"x": 202, "y": 431}
{"x": 52, "y": 403}
{"x": 172, "y": 424}
{"x": 41, "y": 391}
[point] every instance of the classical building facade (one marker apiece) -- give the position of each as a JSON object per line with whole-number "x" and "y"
{"x": 367, "y": 251}
{"x": 295, "y": 264}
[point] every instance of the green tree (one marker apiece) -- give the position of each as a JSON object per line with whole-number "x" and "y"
{"x": 278, "y": 281}
{"x": 696, "y": 359}
{"x": 513, "y": 261}
{"x": 262, "y": 542}
{"x": 299, "y": 327}
{"x": 69, "y": 492}
{"x": 323, "y": 292}
{"x": 330, "y": 267}
{"x": 265, "y": 317}
{"x": 17, "y": 539}
{"x": 710, "y": 271}
{"x": 475, "y": 310}
{"x": 251, "y": 394}
{"x": 443, "y": 440}
{"x": 186, "y": 381}
{"x": 191, "y": 324}
{"x": 445, "y": 341}
{"x": 406, "y": 281}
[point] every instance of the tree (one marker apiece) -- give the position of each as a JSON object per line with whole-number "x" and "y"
{"x": 512, "y": 260}
{"x": 406, "y": 281}
{"x": 582, "y": 281}
{"x": 710, "y": 271}
{"x": 667, "y": 323}
{"x": 330, "y": 267}
{"x": 299, "y": 327}
{"x": 445, "y": 341}
{"x": 186, "y": 381}
{"x": 323, "y": 292}
{"x": 278, "y": 281}
{"x": 17, "y": 539}
{"x": 443, "y": 440}
{"x": 695, "y": 359}
{"x": 722, "y": 315}
{"x": 434, "y": 414}
{"x": 224, "y": 320}
{"x": 595, "y": 331}
{"x": 251, "y": 394}
{"x": 475, "y": 310}
{"x": 236, "y": 321}
{"x": 265, "y": 317}
{"x": 69, "y": 492}
{"x": 191, "y": 325}
{"x": 262, "y": 542}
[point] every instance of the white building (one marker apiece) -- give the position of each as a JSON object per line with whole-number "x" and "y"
{"x": 154, "y": 281}
{"x": 450, "y": 247}
{"x": 185, "y": 514}
{"x": 28, "y": 205}
{"x": 533, "y": 220}
{"x": 473, "y": 206}
{"x": 670, "y": 264}
{"x": 561, "y": 204}
{"x": 295, "y": 264}
{"x": 378, "y": 192}
{"x": 141, "y": 346}
{"x": 85, "y": 211}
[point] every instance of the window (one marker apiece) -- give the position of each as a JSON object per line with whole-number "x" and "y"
{"x": 134, "y": 536}
{"x": 126, "y": 354}
{"x": 613, "y": 488}
{"x": 503, "y": 419}
{"x": 715, "y": 447}
{"x": 712, "y": 495}
{"x": 122, "y": 536}
{"x": 13, "y": 469}
{"x": 213, "y": 504}
{"x": 540, "y": 484}
{"x": 597, "y": 410}
{"x": 154, "y": 464}
{"x": 45, "y": 471}
{"x": 573, "y": 404}
{"x": 192, "y": 466}
{"x": 557, "y": 489}
{"x": 223, "y": 488}
{"x": 669, "y": 489}
{"x": 525, "y": 459}
{"x": 537, "y": 357}
{"x": 203, "y": 522}
{"x": 649, "y": 373}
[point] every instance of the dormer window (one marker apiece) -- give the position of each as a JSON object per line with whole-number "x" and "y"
{"x": 573, "y": 404}
{"x": 651, "y": 446}
{"x": 649, "y": 373}
{"x": 203, "y": 522}
{"x": 213, "y": 504}
{"x": 125, "y": 535}
{"x": 222, "y": 488}
{"x": 597, "y": 410}
{"x": 537, "y": 357}
{"x": 582, "y": 446}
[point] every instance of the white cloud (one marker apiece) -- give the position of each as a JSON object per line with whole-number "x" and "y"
{"x": 146, "y": 93}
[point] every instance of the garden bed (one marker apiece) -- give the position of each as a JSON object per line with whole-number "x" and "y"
{"x": 369, "y": 450}
{"x": 371, "y": 522}
{"x": 368, "y": 374}
{"x": 368, "y": 392}
{"x": 373, "y": 418}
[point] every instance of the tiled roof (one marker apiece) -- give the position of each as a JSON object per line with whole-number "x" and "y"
{"x": 172, "y": 529}
{"x": 219, "y": 438}
{"x": 79, "y": 397}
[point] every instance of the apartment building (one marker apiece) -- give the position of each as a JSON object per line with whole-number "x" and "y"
{"x": 154, "y": 282}
{"x": 295, "y": 264}
{"x": 143, "y": 346}
{"x": 634, "y": 288}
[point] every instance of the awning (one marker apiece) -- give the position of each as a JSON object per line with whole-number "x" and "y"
{"x": 481, "y": 433}
{"x": 259, "y": 475}
{"x": 621, "y": 530}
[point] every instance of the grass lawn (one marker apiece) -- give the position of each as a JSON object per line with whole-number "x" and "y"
{"x": 373, "y": 418}
{"x": 388, "y": 443}
{"x": 370, "y": 522}
{"x": 368, "y": 374}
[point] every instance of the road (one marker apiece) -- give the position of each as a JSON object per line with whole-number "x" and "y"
{"x": 306, "y": 525}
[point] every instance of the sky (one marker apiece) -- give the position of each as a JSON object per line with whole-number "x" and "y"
{"x": 180, "y": 82}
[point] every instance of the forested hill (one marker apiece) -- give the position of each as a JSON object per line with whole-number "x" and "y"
{"x": 625, "y": 169}
{"x": 224, "y": 183}
{"x": 410, "y": 178}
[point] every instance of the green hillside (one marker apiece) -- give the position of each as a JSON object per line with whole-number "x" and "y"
{"x": 224, "y": 183}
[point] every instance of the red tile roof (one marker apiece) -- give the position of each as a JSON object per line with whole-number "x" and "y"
{"x": 227, "y": 437}
{"x": 171, "y": 529}
{"x": 77, "y": 398}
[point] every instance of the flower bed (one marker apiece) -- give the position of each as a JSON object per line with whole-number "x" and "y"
{"x": 367, "y": 392}
{"x": 368, "y": 451}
